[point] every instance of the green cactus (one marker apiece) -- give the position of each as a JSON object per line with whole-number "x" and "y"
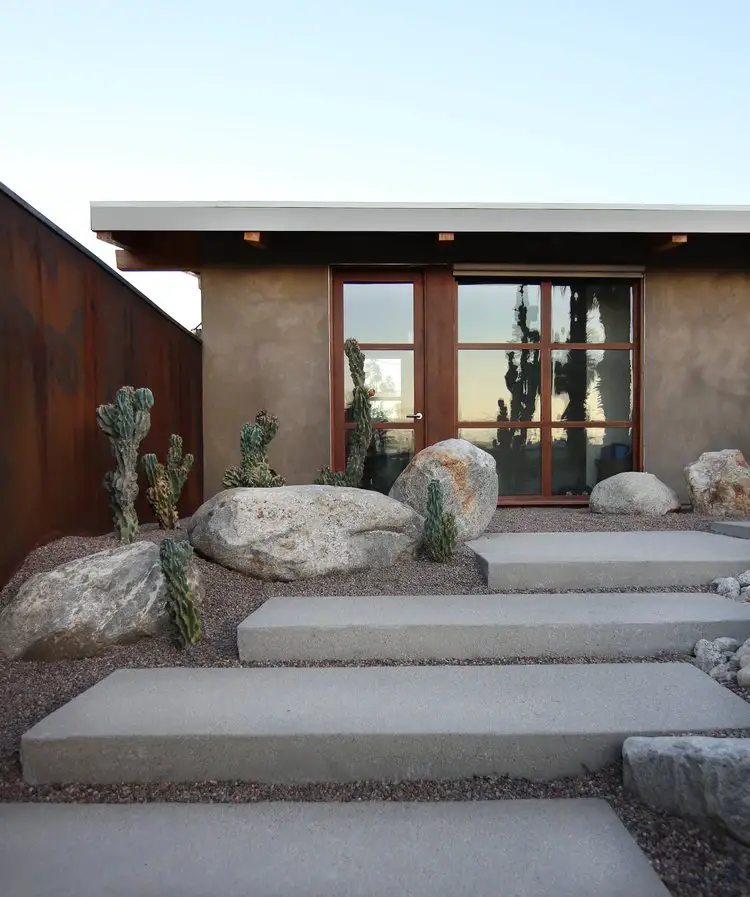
{"x": 126, "y": 421}
{"x": 439, "y": 526}
{"x": 362, "y": 432}
{"x": 254, "y": 470}
{"x": 165, "y": 483}
{"x": 175, "y": 560}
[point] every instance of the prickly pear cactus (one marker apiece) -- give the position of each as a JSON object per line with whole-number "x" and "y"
{"x": 125, "y": 422}
{"x": 175, "y": 560}
{"x": 165, "y": 483}
{"x": 254, "y": 469}
{"x": 362, "y": 432}
{"x": 439, "y": 527}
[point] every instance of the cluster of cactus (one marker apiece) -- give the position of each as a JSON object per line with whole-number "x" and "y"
{"x": 254, "y": 441}
{"x": 439, "y": 526}
{"x": 125, "y": 422}
{"x": 166, "y": 482}
{"x": 361, "y": 435}
{"x": 175, "y": 560}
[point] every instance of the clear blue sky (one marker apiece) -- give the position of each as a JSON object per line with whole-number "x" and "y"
{"x": 401, "y": 100}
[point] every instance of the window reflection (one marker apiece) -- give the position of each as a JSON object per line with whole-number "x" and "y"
{"x": 499, "y": 385}
{"x": 391, "y": 375}
{"x": 582, "y": 456}
{"x": 517, "y": 454}
{"x": 588, "y": 312}
{"x": 379, "y": 312}
{"x": 388, "y": 455}
{"x": 499, "y": 312}
{"x": 592, "y": 384}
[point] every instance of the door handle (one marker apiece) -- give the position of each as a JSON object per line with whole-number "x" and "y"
{"x": 417, "y": 416}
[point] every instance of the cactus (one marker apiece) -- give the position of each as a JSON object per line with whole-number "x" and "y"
{"x": 362, "y": 432}
{"x": 254, "y": 470}
{"x": 126, "y": 421}
{"x": 440, "y": 527}
{"x": 175, "y": 560}
{"x": 165, "y": 483}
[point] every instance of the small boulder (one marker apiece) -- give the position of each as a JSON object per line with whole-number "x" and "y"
{"x": 719, "y": 484}
{"x": 743, "y": 677}
{"x": 297, "y": 532}
{"x": 728, "y": 587}
{"x": 723, "y": 673}
{"x": 85, "y": 606}
{"x": 726, "y": 644}
{"x": 707, "y": 655}
{"x": 468, "y": 476}
{"x": 706, "y": 779}
{"x": 744, "y": 579}
{"x": 633, "y": 493}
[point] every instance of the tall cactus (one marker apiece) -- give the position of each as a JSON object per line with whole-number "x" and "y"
{"x": 126, "y": 421}
{"x": 439, "y": 526}
{"x": 175, "y": 560}
{"x": 254, "y": 470}
{"x": 165, "y": 483}
{"x": 362, "y": 432}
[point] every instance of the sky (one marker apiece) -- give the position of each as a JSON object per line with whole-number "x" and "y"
{"x": 400, "y": 100}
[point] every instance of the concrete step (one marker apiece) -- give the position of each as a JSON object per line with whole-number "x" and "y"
{"x": 345, "y": 724}
{"x": 738, "y": 528}
{"x": 435, "y": 627}
{"x": 518, "y": 848}
{"x": 538, "y": 562}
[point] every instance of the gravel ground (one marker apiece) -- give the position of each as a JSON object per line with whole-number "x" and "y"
{"x": 692, "y": 862}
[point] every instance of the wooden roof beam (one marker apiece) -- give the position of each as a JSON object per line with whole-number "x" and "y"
{"x": 672, "y": 243}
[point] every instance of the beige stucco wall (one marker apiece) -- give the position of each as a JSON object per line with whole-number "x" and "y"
{"x": 265, "y": 345}
{"x": 696, "y": 373}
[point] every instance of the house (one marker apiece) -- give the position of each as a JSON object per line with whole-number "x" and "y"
{"x": 569, "y": 341}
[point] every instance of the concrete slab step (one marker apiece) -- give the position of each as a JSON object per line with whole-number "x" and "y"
{"x": 738, "y": 528}
{"x": 353, "y": 723}
{"x": 436, "y": 627}
{"x": 538, "y": 562}
{"x": 520, "y": 848}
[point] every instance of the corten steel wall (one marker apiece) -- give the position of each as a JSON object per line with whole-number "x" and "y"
{"x": 696, "y": 379}
{"x": 266, "y": 345}
{"x": 71, "y": 332}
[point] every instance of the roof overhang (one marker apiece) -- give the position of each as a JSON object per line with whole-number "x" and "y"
{"x": 418, "y": 218}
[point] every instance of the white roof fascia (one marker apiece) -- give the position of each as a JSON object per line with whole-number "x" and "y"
{"x": 417, "y": 218}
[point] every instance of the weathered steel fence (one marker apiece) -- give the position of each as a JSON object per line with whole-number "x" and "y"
{"x": 71, "y": 332}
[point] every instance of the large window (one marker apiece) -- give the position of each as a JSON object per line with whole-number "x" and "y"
{"x": 547, "y": 380}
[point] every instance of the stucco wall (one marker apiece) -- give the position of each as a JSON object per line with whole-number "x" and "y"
{"x": 265, "y": 345}
{"x": 696, "y": 378}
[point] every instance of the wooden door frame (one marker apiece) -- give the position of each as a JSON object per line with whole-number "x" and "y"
{"x": 339, "y": 277}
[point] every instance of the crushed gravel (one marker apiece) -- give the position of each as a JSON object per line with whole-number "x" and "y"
{"x": 691, "y": 861}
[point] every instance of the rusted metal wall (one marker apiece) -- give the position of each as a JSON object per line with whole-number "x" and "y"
{"x": 71, "y": 332}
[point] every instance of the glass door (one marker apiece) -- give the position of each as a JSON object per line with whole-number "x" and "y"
{"x": 384, "y": 312}
{"x": 547, "y": 382}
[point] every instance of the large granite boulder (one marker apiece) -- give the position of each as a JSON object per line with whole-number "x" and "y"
{"x": 706, "y": 779}
{"x": 719, "y": 484}
{"x": 85, "y": 606}
{"x": 296, "y": 532}
{"x": 468, "y": 476}
{"x": 633, "y": 493}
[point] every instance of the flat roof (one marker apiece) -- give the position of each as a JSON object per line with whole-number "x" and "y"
{"x": 337, "y": 217}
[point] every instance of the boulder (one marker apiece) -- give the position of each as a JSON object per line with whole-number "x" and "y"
{"x": 707, "y": 655}
{"x": 727, "y": 587}
{"x": 633, "y": 493}
{"x": 706, "y": 779}
{"x": 297, "y": 532}
{"x": 719, "y": 484}
{"x": 743, "y": 677}
{"x": 468, "y": 476}
{"x": 85, "y": 606}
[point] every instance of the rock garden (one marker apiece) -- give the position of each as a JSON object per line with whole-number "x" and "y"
{"x": 171, "y": 593}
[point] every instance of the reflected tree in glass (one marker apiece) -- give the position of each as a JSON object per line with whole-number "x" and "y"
{"x": 523, "y": 381}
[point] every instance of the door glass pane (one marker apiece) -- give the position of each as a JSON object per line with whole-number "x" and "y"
{"x": 582, "y": 456}
{"x": 588, "y": 312}
{"x": 517, "y": 454}
{"x": 389, "y": 453}
{"x": 499, "y": 313}
{"x": 592, "y": 384}
{"x": 379, "y": 312}
{"x": 498, "y": 385}
{"x": 391, "y": 375}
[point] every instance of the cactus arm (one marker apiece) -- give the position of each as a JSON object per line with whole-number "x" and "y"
{"x": 176, "y": 558}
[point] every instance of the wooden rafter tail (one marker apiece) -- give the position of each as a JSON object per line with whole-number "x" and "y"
{"x": 672, "y": 243}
